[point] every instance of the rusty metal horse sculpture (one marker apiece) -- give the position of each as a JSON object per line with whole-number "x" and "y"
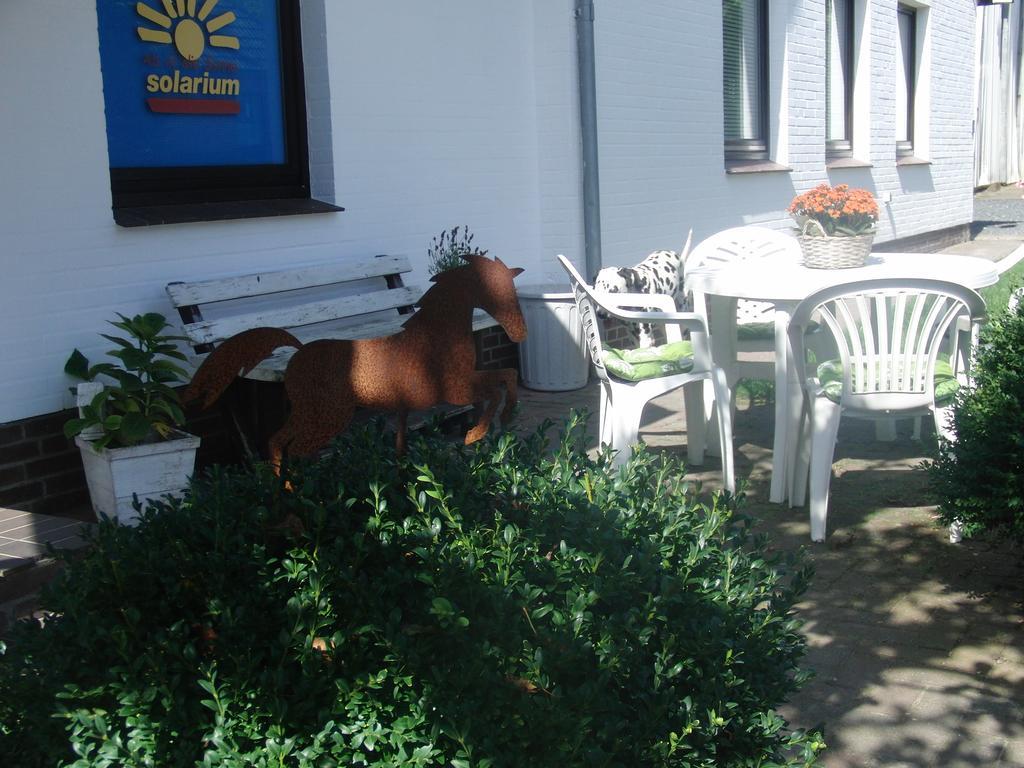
{"x": 431, "y": 360}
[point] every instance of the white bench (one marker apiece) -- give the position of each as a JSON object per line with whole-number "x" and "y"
{"x": 353, "y": 299}
{"x": 358, "y": 299}
{"x": 340, "y": 300}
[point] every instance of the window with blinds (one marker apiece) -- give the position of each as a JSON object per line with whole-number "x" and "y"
{"x": 745, "y": 78}
{"x": 838, "y": 77}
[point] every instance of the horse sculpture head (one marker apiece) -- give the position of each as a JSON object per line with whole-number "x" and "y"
{"x": 498, "y": 296}
{"x": 489, "y": 282}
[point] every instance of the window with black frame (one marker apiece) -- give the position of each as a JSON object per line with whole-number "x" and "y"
{"x": 745, "y": 78}
{"x": 839, "y": 78}
{"x": 906, "y": 79}
{"x": 205, "y": 109}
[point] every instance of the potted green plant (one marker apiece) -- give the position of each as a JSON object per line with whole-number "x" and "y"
{"x": 836, "y": 225}
{"x": 128, "y": 427}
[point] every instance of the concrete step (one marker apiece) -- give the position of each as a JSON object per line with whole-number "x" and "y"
{"x": 27, "y": 561}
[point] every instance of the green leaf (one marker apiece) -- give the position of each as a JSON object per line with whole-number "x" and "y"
{"x": 119, "y": 340}
{"x": 102, "y": 368}
{"x": 96, "y": 404}
{"x": 441, "y": 606}
{"x": 171, "y": 410}
{"x": 134, "y": 428}
{"x": 77, "y": 366}
{"x": 152, "y": 323}
{"x": 179, "y": 373}
{"x": 128, "y": 381}
{"x": 170, "y": 351}
{"x": 133, "y": 359}
{"x": 210, "y": 704}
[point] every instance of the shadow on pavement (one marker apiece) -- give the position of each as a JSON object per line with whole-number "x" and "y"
{"x": 917, "y": 644}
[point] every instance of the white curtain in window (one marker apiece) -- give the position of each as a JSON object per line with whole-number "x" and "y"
{"x": 999, "y": 138}
{"x": 836, "y": 59}
{"x": 741, "y": 63}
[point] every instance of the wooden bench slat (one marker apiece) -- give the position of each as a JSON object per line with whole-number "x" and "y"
{"x": 245, "y": 286}
{"x": 212, "y": 331}
{"x": 272, "y": 369}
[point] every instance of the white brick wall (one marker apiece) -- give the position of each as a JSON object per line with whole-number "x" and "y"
{"x": 424, "y": 116}
{"x": 556, "y": 87}
{"x": 421, "y": 118}
{"x": 660, "y": 123}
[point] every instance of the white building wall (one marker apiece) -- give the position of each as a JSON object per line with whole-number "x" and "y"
{"x": 421, "y": 118}
{"x": 660, "y": 123}
{"x": 556, "y": 85}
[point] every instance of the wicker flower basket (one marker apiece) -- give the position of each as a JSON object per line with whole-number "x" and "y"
{"x": 822, "y": 251}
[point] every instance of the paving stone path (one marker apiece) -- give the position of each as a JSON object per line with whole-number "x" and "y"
{"x": 917, "y": 645}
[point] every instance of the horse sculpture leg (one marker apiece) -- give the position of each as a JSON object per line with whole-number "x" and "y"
{"x": 308, "y": 429}
{"x": 486, "y": 387}
{"x": 510, "y": 378}
{"x": 402, "y": 417}
{"x": 322, "y": 402}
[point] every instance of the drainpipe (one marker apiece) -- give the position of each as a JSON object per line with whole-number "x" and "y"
{"x": 583, "y": 12}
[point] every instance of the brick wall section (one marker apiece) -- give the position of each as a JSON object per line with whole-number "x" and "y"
{"x": 929, "y": 242}
{"x": 615, "y": 333}
{"x": 40, "y": 469}
{"x": 494, "y": 350}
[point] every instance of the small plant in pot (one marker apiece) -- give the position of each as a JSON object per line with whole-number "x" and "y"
{"x": 835, "y": 225}
{"x": 128, "y": 426}
{"x": 448, "y": 249}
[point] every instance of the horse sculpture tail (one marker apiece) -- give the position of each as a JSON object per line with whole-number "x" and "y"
{"x": 236, "y": 356}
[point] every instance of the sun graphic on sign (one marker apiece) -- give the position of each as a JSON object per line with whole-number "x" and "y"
{"x": 189, "y": 27}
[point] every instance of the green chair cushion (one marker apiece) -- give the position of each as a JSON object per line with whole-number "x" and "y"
{"x": 830, "y": 374}
{"x": 763, "y": 331}
{"x": 649, "y": 363}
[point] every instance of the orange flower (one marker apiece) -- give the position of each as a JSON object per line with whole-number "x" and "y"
{"x": 839, "y": 209}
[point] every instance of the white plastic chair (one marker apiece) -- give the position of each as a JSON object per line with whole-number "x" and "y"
{"x": 964, "y": 339}
{"x": 623, "y": 402}
{"x": 754, "y": 320}
{"x": 888, "y": 332}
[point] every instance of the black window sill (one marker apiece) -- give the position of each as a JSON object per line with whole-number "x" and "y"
{"x": 846, "y": 162}
{"x": 152, "y": 215}
{"x": 911, "y": 160}
{"x": 755, "y": 166}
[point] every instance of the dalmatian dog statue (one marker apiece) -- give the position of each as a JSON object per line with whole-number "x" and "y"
{"x": 660, "y": 272}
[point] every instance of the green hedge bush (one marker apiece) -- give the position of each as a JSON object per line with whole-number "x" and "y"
{"x": 978, "y": 478}
{"x": 507, "y": 604}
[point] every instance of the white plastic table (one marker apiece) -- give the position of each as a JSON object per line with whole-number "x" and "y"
{"x": 785, "y": 282}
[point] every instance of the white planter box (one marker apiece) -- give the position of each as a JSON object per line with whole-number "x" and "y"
{"x": 150, "y": 471}
{"x": 553, "y": 356}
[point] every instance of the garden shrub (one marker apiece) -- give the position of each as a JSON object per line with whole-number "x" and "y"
{"x": 978, "y": 478}
{"x": 510, "y": 603}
